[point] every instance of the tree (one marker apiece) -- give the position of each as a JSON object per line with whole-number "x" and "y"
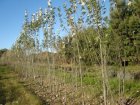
{"x": 124, "y": 36}
{"x": 2, "y": 51}
{"x": 125, "y": 25}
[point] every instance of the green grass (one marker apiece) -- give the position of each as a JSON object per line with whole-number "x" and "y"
{"x": 93, "y": 78}
{"x": 12, "y": 92}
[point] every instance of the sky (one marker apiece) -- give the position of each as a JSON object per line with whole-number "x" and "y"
{"x": 12, "y": 17}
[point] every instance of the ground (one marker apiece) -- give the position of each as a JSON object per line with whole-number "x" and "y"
{"x": 13, "y": 92}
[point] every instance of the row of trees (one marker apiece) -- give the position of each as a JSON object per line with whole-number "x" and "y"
{"x": 122, "y": 36}
{"x": 91, "y": 39}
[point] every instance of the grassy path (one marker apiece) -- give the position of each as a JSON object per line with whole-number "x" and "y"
{"x": 12, "y": 92}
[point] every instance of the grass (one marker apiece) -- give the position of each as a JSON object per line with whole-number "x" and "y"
{"x": 92, "y": 82}
{"x": 92, "y": 78}
{"x": 12, "y": 92}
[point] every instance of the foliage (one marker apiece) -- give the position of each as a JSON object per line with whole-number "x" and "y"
{"x": 125, "y": 26}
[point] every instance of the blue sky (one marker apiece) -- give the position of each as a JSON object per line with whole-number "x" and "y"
{"x": 12, "y": 17}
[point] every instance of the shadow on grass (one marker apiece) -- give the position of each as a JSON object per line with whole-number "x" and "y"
{"x": 2, "y": 95}
{"x": 3, "y": 78}
{"x": 8, "y": 95}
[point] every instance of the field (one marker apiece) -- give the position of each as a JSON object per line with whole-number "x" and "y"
{"x": 64, "y": 84}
